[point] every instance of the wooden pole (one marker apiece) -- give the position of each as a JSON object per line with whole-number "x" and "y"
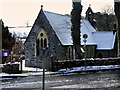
{"x": 44, "y": 69}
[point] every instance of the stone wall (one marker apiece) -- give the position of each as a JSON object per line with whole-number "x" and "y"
{"x": 106, "y": 53}
{"x": 53, "y": 42}
{"x": 11, "y": 68}
{"x": 79, "y": 63}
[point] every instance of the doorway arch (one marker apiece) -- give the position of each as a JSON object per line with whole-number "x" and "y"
{"x": 100, "y": 55}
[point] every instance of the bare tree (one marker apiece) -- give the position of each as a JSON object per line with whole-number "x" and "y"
{"x": 108, "y": 9}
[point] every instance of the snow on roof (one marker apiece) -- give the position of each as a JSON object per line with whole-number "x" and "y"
{"x": 20, "y": 31}
{"x": 104, "y": 39}
{"x": 61, "y": 24}
{"x": 86, "y": 28}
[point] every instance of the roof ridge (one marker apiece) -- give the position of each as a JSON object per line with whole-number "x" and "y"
{"x": 54, "y": 13}
{"x": 102, "y": 31}
{"x": 85, "y": 24}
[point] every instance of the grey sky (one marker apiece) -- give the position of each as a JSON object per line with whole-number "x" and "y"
{"x": 18, "y": 12}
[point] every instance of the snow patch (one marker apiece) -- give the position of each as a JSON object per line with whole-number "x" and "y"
{"x": 88, "y": 68}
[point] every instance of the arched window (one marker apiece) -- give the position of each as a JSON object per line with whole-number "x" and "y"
{"x": 41, "y": 43}
{"x": 45, "y": 42}
{"x": 37, "y": 46}
{"x": 100, "y": 55}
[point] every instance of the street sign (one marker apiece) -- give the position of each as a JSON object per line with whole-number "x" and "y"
{"x": 85, "y": 36}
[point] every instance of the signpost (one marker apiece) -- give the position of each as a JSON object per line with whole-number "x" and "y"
{"x": 44, "y": 56}
{"x": 85, "y": 36}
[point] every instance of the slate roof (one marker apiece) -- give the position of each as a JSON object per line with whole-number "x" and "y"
{"x": 86, "y": 28}
{"x": 20, "y": 31}
{"x": 105, "y": 40}
{"x": 61, "y": 24}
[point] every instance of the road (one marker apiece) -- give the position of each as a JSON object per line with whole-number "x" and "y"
{"x": 71, "y": 81}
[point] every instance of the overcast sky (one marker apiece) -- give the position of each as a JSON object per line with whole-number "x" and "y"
{"x": 18, "y": 12}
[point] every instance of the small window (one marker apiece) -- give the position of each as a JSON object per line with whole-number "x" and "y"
{"x": 41, "y": 34}
{"x": 45, "y": 42}
{"x": 100, "y": 55}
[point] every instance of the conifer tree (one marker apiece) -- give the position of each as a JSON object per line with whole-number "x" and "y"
{"x": 7, "y": 40}
{"x": 117, "y": 13}
{"x": 75, "y": 29}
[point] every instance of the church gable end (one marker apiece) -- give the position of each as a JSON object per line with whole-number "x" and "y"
{"x": 33, "y": 40}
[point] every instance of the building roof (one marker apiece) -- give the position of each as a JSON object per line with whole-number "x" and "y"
{"x": 104, "y": 39}
{"x": 61, "y": 24}
{"x": 20, "y": 31}
{"x": 62, "y": 27}
{"x": 86, "y": 28}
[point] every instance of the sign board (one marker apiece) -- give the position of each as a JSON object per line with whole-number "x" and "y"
{"x": 85, "y": 36}
{"x": 5, "y": 53}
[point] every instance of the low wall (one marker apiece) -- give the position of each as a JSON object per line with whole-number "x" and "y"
{"x": 38, "y": 63}
{"x": 89, "y": 62}
{"x": 33, "y": 63}
{"x": 11, "y": 68}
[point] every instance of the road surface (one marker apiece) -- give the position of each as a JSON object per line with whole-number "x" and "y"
{"x": 71, "y": 81}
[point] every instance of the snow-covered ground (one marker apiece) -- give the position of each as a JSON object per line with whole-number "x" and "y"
{"x": 29, "y": 68}
{"x": 89, "y": 68}
{"x": 30, "y": 71}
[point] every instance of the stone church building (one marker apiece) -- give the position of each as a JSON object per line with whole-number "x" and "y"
{"x": 52, "y": 32}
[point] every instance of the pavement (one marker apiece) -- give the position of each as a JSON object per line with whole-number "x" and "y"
{"x": 27, "y": 71}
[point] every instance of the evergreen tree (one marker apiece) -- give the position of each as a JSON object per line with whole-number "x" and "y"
{"x": 7, "y": 40}
{"x": 75, "y": 29}
{"x": 117, "y": 13}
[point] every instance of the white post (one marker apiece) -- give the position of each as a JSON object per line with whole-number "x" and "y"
{"x": 85, "y": 50}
